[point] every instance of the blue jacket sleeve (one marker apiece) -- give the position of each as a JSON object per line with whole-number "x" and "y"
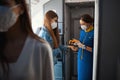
{"x": 56, "y": 51}
{"x": 63, "y": 47}
{"x": 44, "y": 35}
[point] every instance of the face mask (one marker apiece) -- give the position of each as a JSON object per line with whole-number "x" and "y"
{"x": 83, "y": 27}
{"x": 54, "y": 25}
{"x": 7, "y": 18}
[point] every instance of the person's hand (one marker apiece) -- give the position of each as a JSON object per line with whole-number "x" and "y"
{"x": 73, "y": 41}
{"x": 80, "y": 45}
{"x": 73, "y": 48}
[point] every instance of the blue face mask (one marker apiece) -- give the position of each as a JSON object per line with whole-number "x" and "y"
{"x": 7, "y": 18}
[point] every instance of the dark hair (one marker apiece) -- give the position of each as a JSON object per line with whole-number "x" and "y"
{"x": 25, "y": 20}
{"x": 26, "y": 27}
{"x": 87, "y": 18}
{"x": 3, "y": 60}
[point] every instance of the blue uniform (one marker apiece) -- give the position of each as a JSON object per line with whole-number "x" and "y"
{"x": 46, "y": 36}
{"x": 85, "y": 58}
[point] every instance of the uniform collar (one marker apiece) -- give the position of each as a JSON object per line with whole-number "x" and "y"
{"x": 89, "y": 29}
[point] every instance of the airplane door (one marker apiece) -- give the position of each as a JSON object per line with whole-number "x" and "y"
{"x": 74, "y": 11}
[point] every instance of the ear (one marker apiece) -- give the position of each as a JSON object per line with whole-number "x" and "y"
{"x": 18, "y": 9}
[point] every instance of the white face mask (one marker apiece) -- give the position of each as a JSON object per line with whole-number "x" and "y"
{"x": 83, "y": 27}
{"x": 7, "y": 18}
{"x": 54, "y": 25}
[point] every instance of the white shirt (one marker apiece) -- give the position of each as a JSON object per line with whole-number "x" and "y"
{"x": 34, "y": 63}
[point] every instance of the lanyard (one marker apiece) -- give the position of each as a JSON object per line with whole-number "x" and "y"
{"x": 81, "y": 56}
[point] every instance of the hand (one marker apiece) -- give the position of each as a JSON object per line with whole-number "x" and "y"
{"x": 73, "y": 48}
{"x": 75, "y": 40}
{"x": 71, "y": 42}
{"x": 80, "y": 45}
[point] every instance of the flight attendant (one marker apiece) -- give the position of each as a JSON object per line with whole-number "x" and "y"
{"x": 85, "y": 48}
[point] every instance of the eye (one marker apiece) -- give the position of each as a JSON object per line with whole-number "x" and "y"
{"x": 56, "y": 20}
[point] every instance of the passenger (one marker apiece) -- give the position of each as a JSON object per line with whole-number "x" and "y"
{"x": 23, "y": 55}
{"x": 49, "y": 32}
{"x": 85, "y": 48}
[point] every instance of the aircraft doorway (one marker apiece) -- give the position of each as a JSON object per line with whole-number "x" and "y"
{"x": 72, "y": 13}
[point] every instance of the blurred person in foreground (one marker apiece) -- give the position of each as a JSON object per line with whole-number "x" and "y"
{"x": 23, "y": 55}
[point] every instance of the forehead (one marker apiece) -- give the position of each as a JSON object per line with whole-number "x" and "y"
{"x": 82, "y": 22}
{"x": 7, "y": 2}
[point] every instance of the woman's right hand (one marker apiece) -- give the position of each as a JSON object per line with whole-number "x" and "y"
{"x": 73, "y": 48}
